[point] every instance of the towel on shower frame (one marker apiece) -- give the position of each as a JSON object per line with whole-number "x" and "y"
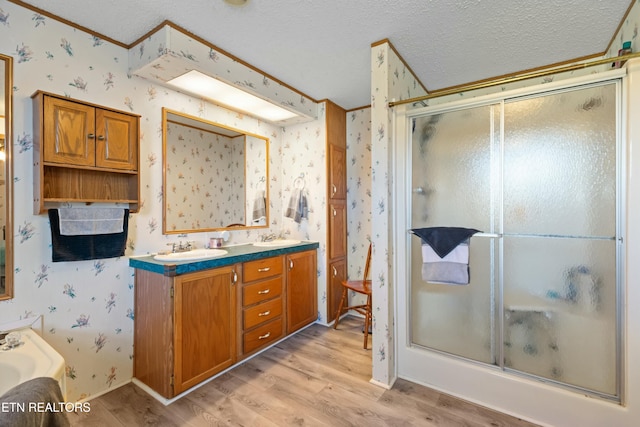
{"x": 445, "y": 254}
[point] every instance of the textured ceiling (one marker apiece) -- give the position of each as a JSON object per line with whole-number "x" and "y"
{"x": 322, "y": 47}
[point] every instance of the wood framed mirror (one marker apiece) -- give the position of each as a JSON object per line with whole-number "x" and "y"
{"x": 6, "y": 178}
{"x": 214, "y": 177}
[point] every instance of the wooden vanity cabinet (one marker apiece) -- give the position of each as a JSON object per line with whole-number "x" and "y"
{"x": 84, "y": 152}
{"x": 189, "y": 327}
{"x": 262, "y": 304}
{"x": 302, "y": 293}
{"x": 185, "y": 328}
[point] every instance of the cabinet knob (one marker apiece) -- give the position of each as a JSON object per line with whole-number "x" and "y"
{"x": 101, "y": 137}
{"x": 264, "y": 313}
{"x": 264, "y": 292}
{"x": 91, "y": 136}
{"x": 290, "y": 264}
{"x": 235, "y": 277}
{"x": 334, "y": 212}
{"x": 265, "y": 336}
{"x": 334, "y": 190}
{"x": 335, "y": 271}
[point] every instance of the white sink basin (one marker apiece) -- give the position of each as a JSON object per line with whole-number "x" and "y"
{"x": 193, "y": 255}
{"x": 276, "y": 243}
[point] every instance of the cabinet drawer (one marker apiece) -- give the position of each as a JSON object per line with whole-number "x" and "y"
{"x": 261, "y": 313}
{"x": 261, "y": 291}
{"x": 263, "y": 335}
{"x": 261, "y": 268}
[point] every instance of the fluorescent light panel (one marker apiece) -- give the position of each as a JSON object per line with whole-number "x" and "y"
{"x": 208, "y": 87}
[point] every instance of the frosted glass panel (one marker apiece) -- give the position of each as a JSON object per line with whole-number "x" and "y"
{"x": 451, "y": 155}
{"x": 559, "y": 163}
{"x": 456, "y": 319}
{"x": 451, "y": 181}
{"x": 542, "y": 187}
{"x": 560, "y": 310}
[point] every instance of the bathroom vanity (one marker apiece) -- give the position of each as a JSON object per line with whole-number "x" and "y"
{"x": 195, "y": 318}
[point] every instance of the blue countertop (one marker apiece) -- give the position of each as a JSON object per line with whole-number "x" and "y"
{"x": 236, "y": 254}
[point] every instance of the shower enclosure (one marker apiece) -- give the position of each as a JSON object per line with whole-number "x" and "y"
{"x": 539, "y": 176}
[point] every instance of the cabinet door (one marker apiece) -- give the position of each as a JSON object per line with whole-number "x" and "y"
{"x": 337, "y": 172}
{"x": 337, "y": 273}
{"x": 337, "y": 229}
{"x": 302, "y": 294}
{"x": 69, "y": 132}
{"x": 116, "y": 140}
{"x": 205, "y": 325}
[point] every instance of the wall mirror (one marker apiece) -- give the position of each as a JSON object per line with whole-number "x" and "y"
{"x": 214, "y": 177}
{"x": 6, "y": 178}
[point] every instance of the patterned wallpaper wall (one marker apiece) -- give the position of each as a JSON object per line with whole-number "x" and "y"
{"x": 256, "y": 179}
{"x": 390, "y": 80}
{"x": 205, "y": 179}
{"x": 88, "y": 305}
{"x": 305, "y": 167}
{"x": 628, "y": 32}
{"x": 358, "y": 194}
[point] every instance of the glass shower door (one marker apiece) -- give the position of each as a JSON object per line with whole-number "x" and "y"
{"x": 538, "y": 176}
{"x": 559, "y": 253}
{"x": 452, "y": 156}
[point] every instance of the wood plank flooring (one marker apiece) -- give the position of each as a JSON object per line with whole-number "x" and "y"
{"x": 318, "y": 377}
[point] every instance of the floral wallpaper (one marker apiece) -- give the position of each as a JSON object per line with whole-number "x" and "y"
{"x": 305, "y": 168}
{"x": 257, "y": 191}
{"x": 87, "y": 306}
{"x": 358, "y": 194}
{"x": 390, "y": 80}
{"x": 205, "y": 176}
{"x": 628, "y": 32}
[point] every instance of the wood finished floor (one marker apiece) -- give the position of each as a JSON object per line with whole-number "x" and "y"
{"x": 318, "y": 377}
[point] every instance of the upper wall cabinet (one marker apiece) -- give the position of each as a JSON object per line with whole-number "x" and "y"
{"x": 83, "y": 135}
{"x": 83, "y": 153}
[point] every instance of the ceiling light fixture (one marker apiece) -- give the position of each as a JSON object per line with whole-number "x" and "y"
{"x": 236, "y": 2}
{"x": 199, "y": 84}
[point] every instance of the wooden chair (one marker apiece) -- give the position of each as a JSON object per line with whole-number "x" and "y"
{"x": 362, "y": 287}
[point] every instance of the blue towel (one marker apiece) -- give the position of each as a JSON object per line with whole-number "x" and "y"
{"x": 86, "y": 247}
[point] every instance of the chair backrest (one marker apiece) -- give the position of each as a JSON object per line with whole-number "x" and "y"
{"x": 367, "y": 264}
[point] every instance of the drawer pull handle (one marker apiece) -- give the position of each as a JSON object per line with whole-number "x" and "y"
{"x": 264, "y": 292}
{"x": 262, "y": 270}
{"x": 335, "y": 271}
{"x": 264, "y": 313}
{"x": 265, "y": 336}
{"x": 334, "y": 189}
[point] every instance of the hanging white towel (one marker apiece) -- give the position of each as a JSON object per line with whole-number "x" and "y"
{"x": 90, "y": 221}
{"x": 452, "y": 269}
{"x": 259, "y": 206}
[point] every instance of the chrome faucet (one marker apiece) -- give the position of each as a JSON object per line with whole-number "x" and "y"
{"x": 269, "y": 237}
{"x": 180, "y": 247}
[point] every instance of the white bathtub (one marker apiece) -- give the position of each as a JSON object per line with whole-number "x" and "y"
{"x": 34, "y": 358}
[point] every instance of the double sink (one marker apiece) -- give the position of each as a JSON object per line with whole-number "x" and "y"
{"x": 200, "y": 254}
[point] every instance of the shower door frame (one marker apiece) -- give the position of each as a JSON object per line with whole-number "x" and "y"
{"x": 409, "y": 354}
